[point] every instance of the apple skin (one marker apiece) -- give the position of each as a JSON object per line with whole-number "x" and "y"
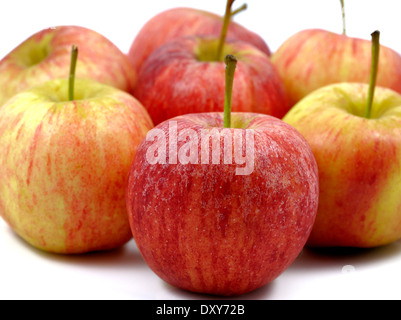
{"x": 314, "y": 58}
{"x": 205, "y": 229}
{"x": 64, "y": 165}
{"x": 46, "y": 55}
{"x": 359, "y": 164}
{"x": 182, "y": 22}
{"x": 180, "y": 78}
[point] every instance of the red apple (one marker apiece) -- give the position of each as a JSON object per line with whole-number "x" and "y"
{"x": 181, "y": 22}
{"x": 222, "y": 209}
{"x": 314, "y": 58}
{"x": 183, "y": 76}
{"x": 46, "y": 55}
{"x": 64, "y": 164}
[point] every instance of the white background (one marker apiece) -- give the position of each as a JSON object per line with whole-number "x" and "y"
{"x": 27, "y": 273}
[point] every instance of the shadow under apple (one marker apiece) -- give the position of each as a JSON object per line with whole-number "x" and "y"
{"x": 127, "y": 256}
{"x": 315, "y": 259}
{"x": 262, "y": 293}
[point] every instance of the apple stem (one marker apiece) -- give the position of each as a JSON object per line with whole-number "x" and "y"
{"x": 71, "y": 78}
{"x": 231, "y": 64}
{"x": 240, "y": 9}
{"x": 343, "y": 13}
{"x": 373, "y": 71}
{"x": 224, "y": 30}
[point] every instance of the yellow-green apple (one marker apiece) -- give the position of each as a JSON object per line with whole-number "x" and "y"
{"x": 315, "y": 58}
{"x": 183, "y": 76}
{"x": 64, "y": 164}
{"x": 181, "y": 22}
{"x": 358, "y": 153}
{"x": 46, "y": 55}
{"x": 222, "y": 207}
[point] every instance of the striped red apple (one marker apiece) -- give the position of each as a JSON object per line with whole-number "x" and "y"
{"x": 186, "y": 75}
{"x": 222, "y": 204}
{"x": 182, "y": 22}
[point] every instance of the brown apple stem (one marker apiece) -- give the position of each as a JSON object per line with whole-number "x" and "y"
{"x": 71, "y": 78}
{"x": 231, "y": 64}
{"x": 373, "y": 71}
{"x": 240, "y": 9}
{"x": 343, "y": 13}
{"x": 224, "y": 30}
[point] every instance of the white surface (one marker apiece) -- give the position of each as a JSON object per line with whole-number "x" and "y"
{"x": 27, "y": 273}
{"x": 275, "y": 21}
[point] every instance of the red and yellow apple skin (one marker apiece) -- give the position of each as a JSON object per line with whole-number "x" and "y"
{"x": 182, "y": 77}
{"x": 203, "y": 228}
{"x": 182, "y": 22}
{"x": 359, "y": 164}
{"x": 314, "y": 58}
{"x": 46, "y": 55}
{"x": 64, "y": 165}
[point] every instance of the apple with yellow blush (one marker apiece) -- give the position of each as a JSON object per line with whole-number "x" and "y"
{"x": 354, "y": 130}
{"x": 314, "y": 58}
{"x": 64, "y": 162}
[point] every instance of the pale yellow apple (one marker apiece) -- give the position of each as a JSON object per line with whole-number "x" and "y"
{"x": 46, "y": 55}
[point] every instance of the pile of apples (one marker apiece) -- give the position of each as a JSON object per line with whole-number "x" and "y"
{"x": 324, "y": 111}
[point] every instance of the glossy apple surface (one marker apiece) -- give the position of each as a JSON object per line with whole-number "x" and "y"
{"x": 183, "y": 77}
{"x": 203, "y": 227}
{"x": 314, "y": 58}
{"x": 64, "y": 165}
{"x": 182, "y": 22}
{"x": 359, "y": 162}
{"x": 46, "y": 55}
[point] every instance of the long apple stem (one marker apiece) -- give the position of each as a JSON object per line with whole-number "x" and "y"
{"x": 240, "y": 9}
{"x": 224, "y": 30}
{"x": 343, "y": 13}
{"x": 373, "y": 71}
{"x": 231, "y": 64}
{"x": 71, "y": 78}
